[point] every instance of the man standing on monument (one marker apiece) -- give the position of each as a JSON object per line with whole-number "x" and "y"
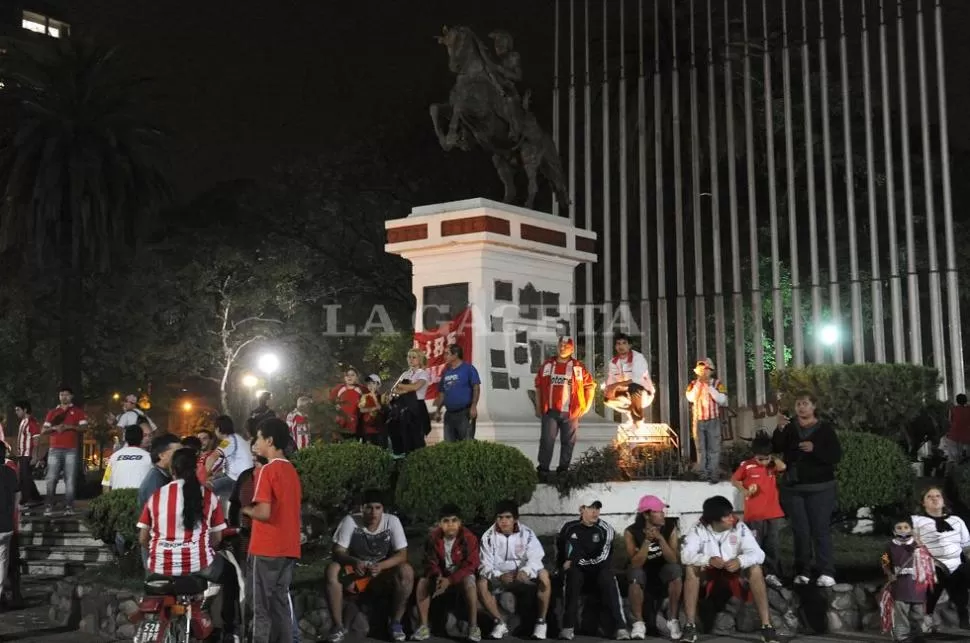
{"x": 629, "y": 388}
{"x": 564, "y": 393}
{"x": 707, "y": 395}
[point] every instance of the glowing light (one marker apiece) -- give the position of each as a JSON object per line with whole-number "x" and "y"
{"x": 829, "y": 334}
{"x": 249, "y": 380}
{"x": 116, "y": 396}
{"x": 186, "y": 406}
{"x": 646, "y": 434}
{"x": 269, "y": 363}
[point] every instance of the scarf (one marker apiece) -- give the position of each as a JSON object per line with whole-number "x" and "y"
{"x": 941, "y": 524}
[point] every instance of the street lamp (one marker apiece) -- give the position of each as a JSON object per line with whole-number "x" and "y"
{"x": 269, "y": 363}
{"x": 186, "y": 406}
{"x": 829, "y": 334}
{"x": 250, "y": 381}
{"x": 116, "y": 397}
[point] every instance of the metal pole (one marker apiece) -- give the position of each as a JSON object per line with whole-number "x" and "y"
{"x": 878, "y": 317}
{"x": 936, "y": 302}
{"x": 700, "y": 308}
{"x": 624, "y": 203}
{"x": 645, "y": 343}
{"x": 777, "y": 308}
{"x": 952, "y": 285}
{"x": 720, "y": 347}
{"x": 555, "y": 93}
{"x": 817, "y": 354}
{"x": 737, "y": 299}
{"x": 679, "y": 231}
{"x": 588, "y": 313}
{"x": 855, "y": 288}
{"x": 756, "y": 293}
{"x": 915, "y": 330}
{"x": 607, "y": 235}
{"x": 572, "y": 114}
{"x": 834, "y": 298}
{"x": 663, "y": 343}
{"x": 798, "y": 343}
{"x": 895, "y": 281}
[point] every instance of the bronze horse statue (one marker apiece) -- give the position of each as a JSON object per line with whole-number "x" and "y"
{"x": 477, "y": 111}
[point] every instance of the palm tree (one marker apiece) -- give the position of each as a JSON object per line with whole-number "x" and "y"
{"x": 80, "y": 169}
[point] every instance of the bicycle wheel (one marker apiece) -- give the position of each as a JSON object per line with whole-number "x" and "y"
{"x": 178, "y": 630}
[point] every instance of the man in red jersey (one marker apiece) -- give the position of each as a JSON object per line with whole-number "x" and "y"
{"x": 299, "y": 422}
{"x": 62, "y": 424}
{"x": 564, "y": 393}
{"x": 274, "y": 545}
{"x": 27, "y": 437}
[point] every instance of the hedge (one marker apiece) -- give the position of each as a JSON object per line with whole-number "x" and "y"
{"x": 333, "y": 475}
{"x": 878, "y": 398}
{"x": 472, "y": 474}
{"x": 874, "y": 472}
{"x": 114, "y": 512}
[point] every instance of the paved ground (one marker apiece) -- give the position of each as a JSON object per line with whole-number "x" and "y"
{"x": 31, "y": 624}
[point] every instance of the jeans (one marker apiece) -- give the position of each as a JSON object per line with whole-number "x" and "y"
{"x": 557, "y": 423}
{"x": 907, "y": 620}
{"x": 810, "y": 514}
{"x": 459, "y": 426}
{"x": 5, "y": 546}
{"x": 59, "y": 460}
{"x": 269, "y": 580}
{"x": 28, "y": 489}
{"x": 957, "y": 586}
{"x": 766, "y": 532}
{"x": 709, "y": 447}
{"x": 222, "y": 487}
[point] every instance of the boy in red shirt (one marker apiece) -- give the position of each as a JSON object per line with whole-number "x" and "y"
{"x": 757, "y": 481}
{"x": 346, "y": 398}
{"x": 372, "y": 421}
{"x": 274, "y": 545}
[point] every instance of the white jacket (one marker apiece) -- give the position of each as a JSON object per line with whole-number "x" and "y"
{"x": 702, "y": 543}
{"x": 519, "y": 551}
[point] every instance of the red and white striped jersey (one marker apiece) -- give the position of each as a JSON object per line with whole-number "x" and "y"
{"x": 173, "y": 550}
{"x": 27, "y": 436}
{"x": 707, "y": 398}
{"x": 299, "y": 428}
{"x": 560, "y": 385}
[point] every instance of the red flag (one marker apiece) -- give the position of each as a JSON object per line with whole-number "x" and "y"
{"x": 435, "y": 343}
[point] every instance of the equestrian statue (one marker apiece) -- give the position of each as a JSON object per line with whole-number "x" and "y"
{"x": 487, "y": 107}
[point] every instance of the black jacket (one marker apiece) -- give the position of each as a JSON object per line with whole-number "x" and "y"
{"x": 585, "y": 545}
{"x": 808, "y": 468}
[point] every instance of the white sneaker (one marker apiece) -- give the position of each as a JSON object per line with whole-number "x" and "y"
{"x": 622, "y": 635}
{"x": 802, "y": 579}
{"x": 539, "y": 632}
{"x": 773, "y": 581}
{"x": 567, "y": 634}
{"x": 639, "y": 631}
{"x": 825, "y": 581}
{"x": 500, "y": 630}
{"x": 673, "y": 627}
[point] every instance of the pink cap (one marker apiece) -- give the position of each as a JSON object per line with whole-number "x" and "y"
{"x": 650, "y": 503}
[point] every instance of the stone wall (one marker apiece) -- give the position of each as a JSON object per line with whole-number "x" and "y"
{"x": 843, "y": 608}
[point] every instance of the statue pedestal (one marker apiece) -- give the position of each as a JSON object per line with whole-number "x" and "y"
{"x": 515, "y": 268}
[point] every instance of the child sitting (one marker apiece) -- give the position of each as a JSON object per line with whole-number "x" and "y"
{"x": 756, "y": 478}
{"x": 451, "y": 561}
{"x": 909, "y": 568}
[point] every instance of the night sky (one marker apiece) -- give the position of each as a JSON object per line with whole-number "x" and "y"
{"x": 245, "y": 85}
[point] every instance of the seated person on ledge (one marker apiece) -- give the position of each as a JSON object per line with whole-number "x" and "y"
{"x": 585, "y": 551}
{"x": 511, "y": 559}
{"x": 370, "y": 553}
{"x": 720, "y": 547}
{"x": 451, "y": 560}
{"x": 652, "y": 543}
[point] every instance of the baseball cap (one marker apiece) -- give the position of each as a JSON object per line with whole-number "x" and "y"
{"x": 567, "y": 341}
{"x": 373, "y": 377}
{"x": 592, "y": 504}
{"x": 650, "y": 503}
{"x": 706, "y": 361}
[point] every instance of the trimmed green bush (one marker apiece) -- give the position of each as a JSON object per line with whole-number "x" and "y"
{"x": 333, "y": 475}
{"x": 874, "y": 472}
{"x": 878, "y": 398}
{"x": 112, "y": 513}
{"x": 473, "y": 474}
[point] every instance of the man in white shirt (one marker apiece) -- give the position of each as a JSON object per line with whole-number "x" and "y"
{"x": 719, "y": 547}
{"x": 237, "y": 455}
{"x": 131, "y": 415}
{"x": 129, "y": 465}
{"x": 629, "y": 388}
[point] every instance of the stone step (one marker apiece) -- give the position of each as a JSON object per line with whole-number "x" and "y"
{"x": 54, "y": 568}
{"x": 59, "y": 539}
{"x": 52, "y": 524}
{"x": 88, "y": 555}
